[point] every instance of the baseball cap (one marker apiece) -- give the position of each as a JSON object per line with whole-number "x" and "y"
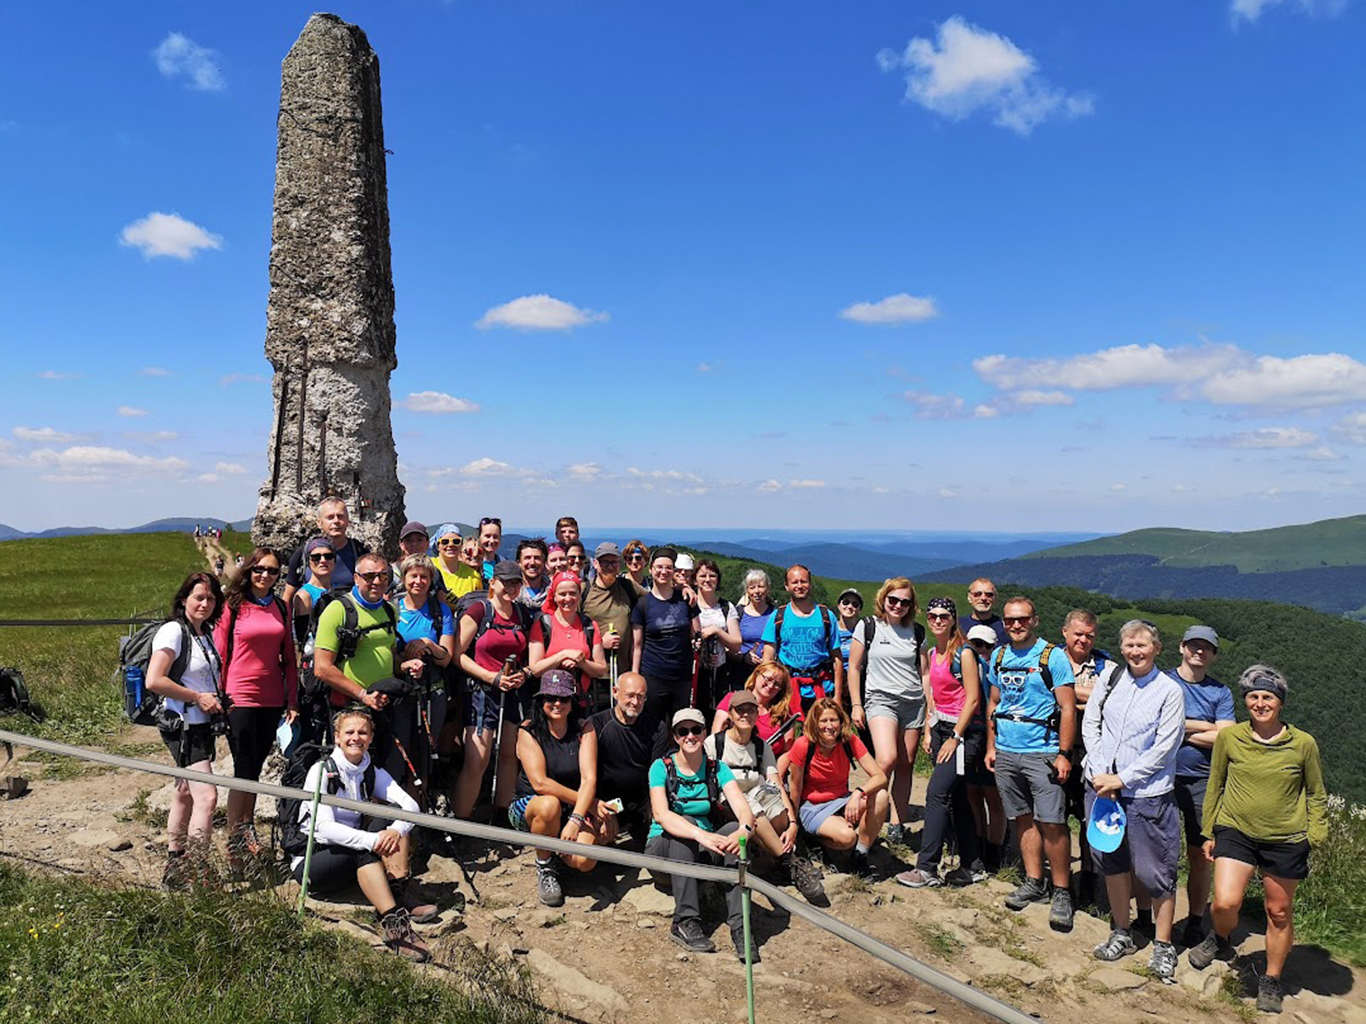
{"x": 556, "y": 683}
{"x": 687, "y": 715}
{"x": 1105, "y": 830}
{"x": 1205, "y": 633}
{"x": 607, "y": 547}
{"x": 985, "y": 633}
{"x": 741, "y": 698}
{"x": 507, "y": 570}
{"x": 850, "y": 592}
{"x": 412, "y": 527}
{"x": 684, "y": 561}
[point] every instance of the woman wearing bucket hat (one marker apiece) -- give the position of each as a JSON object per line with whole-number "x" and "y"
{"x": 557, "y": 786}
{"x": 1265, "y": 809}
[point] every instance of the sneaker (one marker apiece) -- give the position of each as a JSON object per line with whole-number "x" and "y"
{"x": 1119, "y": 944}
{"x": 1194, "y": 933}
{"x": 1060, "y": 911}
{"x": 896, "y": 833}
{"x": 808, "y": 880}
{"x": 960, "y": 877}
{"x": 1211, "y": 948}
{"x": 1269, "y": 994}
{"x": 548, "y": 883}
{"x": 1031, "y": 890}
{"x": 1162, "y": 962}
{"x": 917, "y": 879}
{"x": 978, "y": 872}
{"x": 737, "y": 936}
{"x": 858, "y": 864}
{"x": 396, "y": 928}
{"x": 689, "y": 935}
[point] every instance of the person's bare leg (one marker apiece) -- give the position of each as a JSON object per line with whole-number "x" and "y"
{"x": 873, "y": 817}
{"x": 178, "y": 816}
{"x": 1231, "y": 878}
{"x": 1120, "y": 893}
{"x": 899, "y": 784}
{"x": 205, "y": 798}
{"x": 478, "y": 744}
{"x": 507, "y": 768}
{"x": 768, "y": 833}
{"x": 375, "y": 885}
{"x": 836, "y": 833}
{"x": 1280, "y": 921}
{"x": 1164, "y": 915}
{"x": 1198, "y": 881}
{"x": 1031, "y": 845}
{"x": 1057, "y": 840}
{"x": 887, "y": 753}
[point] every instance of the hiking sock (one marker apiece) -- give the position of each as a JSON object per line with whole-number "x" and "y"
{"x": 861, "y": 847}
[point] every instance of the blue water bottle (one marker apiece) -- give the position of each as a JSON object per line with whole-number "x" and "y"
{"x": 132, "y": 689}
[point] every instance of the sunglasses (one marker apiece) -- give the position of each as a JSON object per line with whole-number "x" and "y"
{"x": 448, "y": 543}
{"x": 938, "y": 616}
{"x": 899, "y": 602}
{"x": 981, "y": 593}
{"x": 576, "y": 559}
{"x": 689, "y": 730}
{"x": 1016, "y": 620}
{"x": 636, "y": 556}
{"x": 746, "y": 710}
{"x": 372, "y": 577}
{"x": 554, "y": 698}
{"x": 491, "y": 521}
{"x": 319, "y": 557}
{"x": 264, "y": 570}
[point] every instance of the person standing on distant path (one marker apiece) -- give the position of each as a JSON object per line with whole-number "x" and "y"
{"x": 490, "y": 540}
{"x": 982, "y": 597}
{"x": 1209, "y": 710}
{"x": 608, "y": 601}
{"x": 1030, "y": 726}
{"x": 662, "y": 627}
{"x": 802, "y": 636}
{"x": 887, "y": 689}
{"x": 755, "y": 611}
{"x": 531, "y": 555}
{"x": 261, "y": 681}
{"x": 850, "y": 607}
{"x": 333, "y": 521}
{"x": 1133, "y": 725}
{"x": 635, "y": 556}
{"x": 1265, "y": 809}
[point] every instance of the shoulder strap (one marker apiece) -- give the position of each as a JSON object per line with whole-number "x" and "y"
{"x": 712, "y": 772}
{"x": 997, "y": 658}
{"x": 670, "y": 780}
{"x": 182, "y": 660}
{"x": 1045, "y": 672}
{"x": 869, "y": 631}
{"x": 367, "y": 782}
{"x": 352, "y": 617}
{"x": 849, "y": 753}
{"x": 778, "y": 627}
{"x": 546, "y": 619}
{"x": 718, "y": 742}
{"x": 829, "y": 626}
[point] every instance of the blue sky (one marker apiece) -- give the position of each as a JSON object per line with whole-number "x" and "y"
{"x": 989, "y": 266}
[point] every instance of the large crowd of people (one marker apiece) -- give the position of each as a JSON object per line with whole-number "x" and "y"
{"x": 637, "y": 696}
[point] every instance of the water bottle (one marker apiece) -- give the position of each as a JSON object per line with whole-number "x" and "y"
{"x": 132, "y": 689}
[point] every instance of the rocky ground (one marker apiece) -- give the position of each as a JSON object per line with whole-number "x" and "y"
{"x": 605, "y": 955}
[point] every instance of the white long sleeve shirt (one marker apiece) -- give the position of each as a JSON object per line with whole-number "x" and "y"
{"x": 338, "y": 826}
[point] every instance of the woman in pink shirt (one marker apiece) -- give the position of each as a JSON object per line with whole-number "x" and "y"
{"x": 261, "y": 680}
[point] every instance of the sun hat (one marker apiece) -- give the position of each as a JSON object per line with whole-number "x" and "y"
{"x": 1105, "y": 830}
{"x": 684, "y": 561}
{"x": 556, "y": 683}
{"x": 741, "y": 698}
{"x": 983, "y": 633}
{"x": 687, "y": 715}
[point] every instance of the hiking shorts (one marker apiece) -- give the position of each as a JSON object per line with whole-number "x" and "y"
{"x": 909, "y": 711}
{"x": 1027, "y": 787}
{"x": 481, "y": 707}
{"x": 813, "y": 815}
{"x": 1151, "y": 845}
{"x": 1190, "y": 801}
{"x": 1279, "y": 860}
{"x": 191, "y": 745}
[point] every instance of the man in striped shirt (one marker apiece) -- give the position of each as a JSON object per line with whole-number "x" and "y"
{"x": 1134, "y": 724}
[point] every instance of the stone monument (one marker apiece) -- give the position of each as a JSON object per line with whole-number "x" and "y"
{"x": 330, "y": 317}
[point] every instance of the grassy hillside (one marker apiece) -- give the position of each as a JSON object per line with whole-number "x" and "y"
{"x": 1329, "y": 542}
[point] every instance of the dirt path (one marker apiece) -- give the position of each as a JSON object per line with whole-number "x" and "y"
{"x": 605, "y": 956}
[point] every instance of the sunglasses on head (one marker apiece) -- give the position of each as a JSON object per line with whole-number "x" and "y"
{"x": 491, "y": 521}
{"x": 322, "y": 556}
{"x": 689, "y": 730}
{"x": 264, "y": 570}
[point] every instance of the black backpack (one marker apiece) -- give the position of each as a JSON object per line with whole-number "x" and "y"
{"x": 348, "y": 638}
{"x": 293, "y": 836}
{"x": 709, "y": 772}
{"x": 811, "y": 752}
{"x": 140, "y": 705}
{"x": 486, "y": 615}
{"x": 14, "y": 697}
{"x": 547, "y": 621}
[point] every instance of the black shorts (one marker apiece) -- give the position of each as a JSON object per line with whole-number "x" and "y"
{"x": 251, "y": 733}
{"x": 1190, "y": 801}
{"x": 1279, "y": 860}
{"x": 191, "y": 745}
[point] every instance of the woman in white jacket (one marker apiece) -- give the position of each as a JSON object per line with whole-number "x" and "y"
{"x": 351, "y": 847}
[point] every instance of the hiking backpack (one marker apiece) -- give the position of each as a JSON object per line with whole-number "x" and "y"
{"x": 710, "y": 774}
{"x": 293, "y": 836}
{"x": 719, "y": 747}
{"x": 778, "y": 631}
{"x": 870, "y": 631}
{"x": 1053, "y": 721}
{"x": 14, "y": 696}
{"x": 589, "y": 627}
{"x": 140, "y": 705}
{"x": 348, "y": 638}
{"x": 486, "y": 616}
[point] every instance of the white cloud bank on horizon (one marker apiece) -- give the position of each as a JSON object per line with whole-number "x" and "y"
{"x": 1262, "y": 439}
{"x": 968, "y": 69}
{"x": 1251, "y": 10}
{"x": 168, "y": 234}
{"x": 894, "y": 309}
{"x": 539, "y": 313}
{"x": 437, "y": 402}
{"x": 178, "y": 56}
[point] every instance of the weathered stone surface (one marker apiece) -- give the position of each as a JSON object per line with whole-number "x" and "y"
{"x": 1117, "y": 979}
{"x": 646, "y": 899}
{"x": 569, "y": 981}
{"x": 93, "y": 837}
{"x": 330, "y": 318}
{"x": 988, "y": 962}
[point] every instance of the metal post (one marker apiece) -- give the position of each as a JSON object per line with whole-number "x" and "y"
{"x": 744, "y": 913}
{"x": 312, "y": 830}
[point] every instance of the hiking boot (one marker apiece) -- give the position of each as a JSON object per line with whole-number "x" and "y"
{"x": 1031, "y": 890}
{"x": 396, "y": 929}
{"x": 244, "y": 844}
{"x": 1060, "y": 911}
{"x": 1119, "y": 944}
{"x": 405, "y": 893}
{"x": 1211, "y": 948}
{"x": 1194, "y": 932}
{"x": 807, "y": 879}
{"x": 175, "y": 876}
{"x": 917, "y": 879}
{"x": 1162, "y": 962}
{"x": 737, "y": 936}
{"x": 1269, "y": 994}
{"x": 548, "y": 883}
{"x": 689, "y": 935}
{"x": 858, "y": 864}
{"x": 199, "y": 865}
{"x": 978, "y": 872}
{"x": 961, "y": 877}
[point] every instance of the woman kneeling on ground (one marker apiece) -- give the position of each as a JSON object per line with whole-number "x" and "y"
{"x": 755, "y": 768}
{"x": 558, "y": 783}
{"x": 820, "y": 765}
{"x": 686, "y": 790}
{"x": 1266, "y": 806}
{"x": 370, "y": 851}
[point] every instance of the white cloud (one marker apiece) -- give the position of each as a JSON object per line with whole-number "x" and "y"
{"x": 770, "y": 486}
{"x": 894, "y": 309}
{"x": 177, "y": 56}
{"x": 929, "y": 406}
{"x": 1351, "y": 428}
{"x": 585, "y": 471}
{"x": 437, "y": 402}
{"x": 206, "y": 478}
{"x": 986, "y": 412}
{"x": 1322, "y": 454}
{"x": 1301, "y": 382}
{"x": 230, "y": 468}
{"x": 155, "y": 371}
{"x": 806, "y": 485}
{"x": 130, "y": 411}
{"x": 972, "y": 69}
{"x": 1251, "y": 10}
{"x": 1262, "y": 438}
{"x": 1035, "y": 397}
{"x": 168, "y": 234}
{"x": 241, "y": 378}
{"x": 947, "y": 492}
{"x": 539, "y": 313}
{"x": 55, "y": 375}
{"x": 95, "y": 462}
{"x": 1118, "y": 367}
{"x": 488, "y": 467}
{"x": 1117, "y": 488}
{"x": 1182, "y": 489}
{"x": 44, "y": 435}
{"x": 668, "y": 475}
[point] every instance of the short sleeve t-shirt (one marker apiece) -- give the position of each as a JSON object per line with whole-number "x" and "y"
{"x": 966, "y": 622}
{"x": 740, "y": 759}
{"x": 692, "y": 801}
{"x": 1024, "y": 693}
{"x": 374, "y": 659}
{"x": 418, "y": 624}
{"x": 625, "y": 752}
{"x": 752, "y": 631}
{"x": 572, "y": 637}
{"x": 804, "y": 646}
{"x": 1206, "y": 701}
{"x": 461, "y": 580}
{"x": 610, "y": 607}
{"x": 503, "y": 639}
{"x": 827, "y": 775}
{"x": 721, "y": 617}
{"x": 891, "y": 664}
{"x": 201, "y": 671}
{"x": 666, "y": 648}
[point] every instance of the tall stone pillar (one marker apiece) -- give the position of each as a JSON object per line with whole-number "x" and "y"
{"x": 330, "y": 317}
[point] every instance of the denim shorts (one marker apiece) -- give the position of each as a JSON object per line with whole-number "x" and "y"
{"x": 813, "y": 815}
{"x": 481, "y": 706}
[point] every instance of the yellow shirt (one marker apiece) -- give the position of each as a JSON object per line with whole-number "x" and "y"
{"x": 461, "y": 580}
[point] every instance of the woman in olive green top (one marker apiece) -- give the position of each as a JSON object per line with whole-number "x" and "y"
{"x": 1265, "y": 806}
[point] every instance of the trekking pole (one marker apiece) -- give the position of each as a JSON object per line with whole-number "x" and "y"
{"x": 744, "y": 913}
{"x": 312, "y": 829}
{"x": 497, "y": 749}
{"x": 696, "y": 664}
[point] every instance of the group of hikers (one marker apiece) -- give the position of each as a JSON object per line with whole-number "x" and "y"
{"x": 620, "y": 697}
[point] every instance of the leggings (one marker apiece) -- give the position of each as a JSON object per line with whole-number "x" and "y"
{"x": 252, "y": 731}
{"x": 946, "y": 799}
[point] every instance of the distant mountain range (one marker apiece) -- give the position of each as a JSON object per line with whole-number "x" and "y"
{"x": 181, "y": 525}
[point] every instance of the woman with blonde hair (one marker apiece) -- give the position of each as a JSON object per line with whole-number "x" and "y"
{"x": 635, "y": 557}
{"x": 771, "y": 683}
{"x": 887, "y": 690}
